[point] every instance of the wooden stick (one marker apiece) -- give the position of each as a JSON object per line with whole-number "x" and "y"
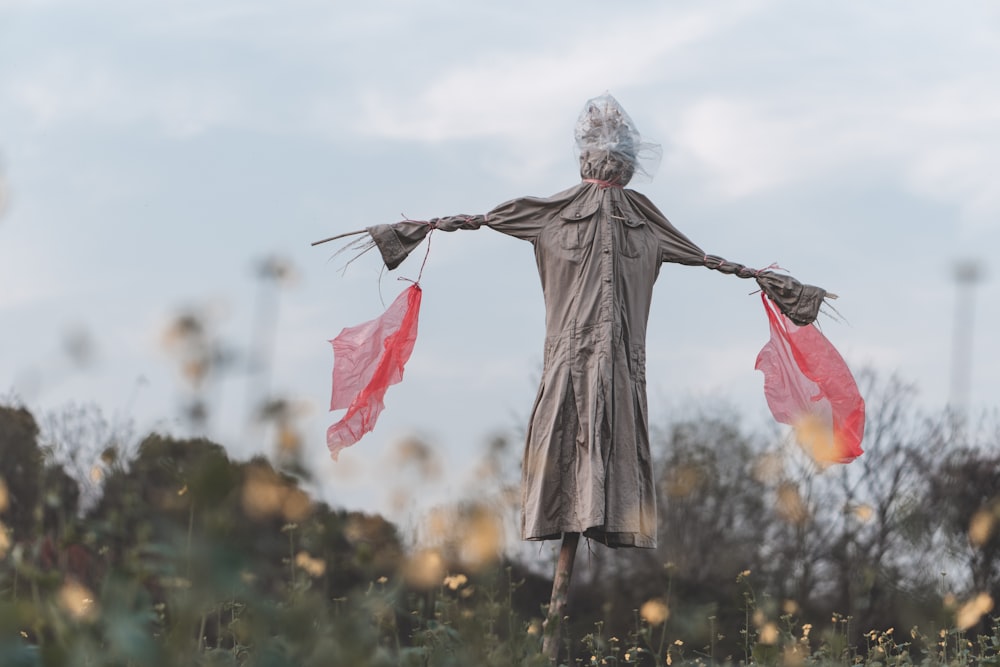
{"x": 552, "y": 628}
{"x": 339, "y": 236}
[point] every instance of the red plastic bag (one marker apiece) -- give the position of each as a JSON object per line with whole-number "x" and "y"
{"x": 367, "y": 359}
{"x": 809, "y": 386}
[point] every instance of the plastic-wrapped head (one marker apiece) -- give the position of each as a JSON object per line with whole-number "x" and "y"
{"x": 609, "y": 146}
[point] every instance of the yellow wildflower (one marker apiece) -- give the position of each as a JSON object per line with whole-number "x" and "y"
{"x": 654, "y": 611}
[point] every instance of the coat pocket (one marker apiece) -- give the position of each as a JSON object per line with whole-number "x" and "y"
{"x": 636, "y": 236}
{"x": 572, "y": 233}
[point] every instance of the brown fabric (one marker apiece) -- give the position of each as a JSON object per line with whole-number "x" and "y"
{"x": 587, "y": 465}
{"x": 799, "y": 302}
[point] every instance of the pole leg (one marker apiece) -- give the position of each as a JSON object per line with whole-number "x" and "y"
{"x": 552, "y": 628}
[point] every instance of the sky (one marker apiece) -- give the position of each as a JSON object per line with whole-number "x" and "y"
{"x": 154, "y": 156}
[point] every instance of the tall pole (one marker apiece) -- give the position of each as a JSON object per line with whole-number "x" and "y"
{"x": 967, "y": 273}
{"x": 553, "y": 626}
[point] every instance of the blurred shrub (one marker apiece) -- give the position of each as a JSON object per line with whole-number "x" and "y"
{"x": 190, "y": 558}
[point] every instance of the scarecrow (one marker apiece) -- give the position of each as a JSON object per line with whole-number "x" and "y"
{"x": 587, "y": 468}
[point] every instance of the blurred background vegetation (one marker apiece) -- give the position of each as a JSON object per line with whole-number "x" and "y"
{"x": 117, "y": 549}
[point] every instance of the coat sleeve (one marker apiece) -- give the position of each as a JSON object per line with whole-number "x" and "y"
{"x": 800, "y": 302}
{"x": 521, "y": 218}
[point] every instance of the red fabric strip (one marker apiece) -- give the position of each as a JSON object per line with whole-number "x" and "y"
{"x": 368, "y": 358}
{"x": 809, "y": 386}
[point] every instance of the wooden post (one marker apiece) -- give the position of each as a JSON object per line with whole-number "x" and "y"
{"x": 552, "y": 628}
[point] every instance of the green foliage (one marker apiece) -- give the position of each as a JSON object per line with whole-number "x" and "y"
{"x": 21, "y": 466}
{"x": 190, "y": 558}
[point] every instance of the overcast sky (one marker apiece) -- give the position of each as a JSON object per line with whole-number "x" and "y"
{"x": 153, "y": 154}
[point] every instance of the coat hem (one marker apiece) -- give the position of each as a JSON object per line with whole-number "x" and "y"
{"x": 609, "y": 538}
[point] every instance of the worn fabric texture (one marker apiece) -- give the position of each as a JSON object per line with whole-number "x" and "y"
{"x": 587, "y": 465}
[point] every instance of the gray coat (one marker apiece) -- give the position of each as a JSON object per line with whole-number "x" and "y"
{"x": 587, "y": 465}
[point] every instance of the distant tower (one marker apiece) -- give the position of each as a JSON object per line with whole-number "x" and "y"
{"x": 967, "y": 273}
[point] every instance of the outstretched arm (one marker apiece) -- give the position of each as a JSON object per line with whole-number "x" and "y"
{"x": 799, "y": 302}
{"x": 395, "y": 242}
{"x": 521, "y": 218}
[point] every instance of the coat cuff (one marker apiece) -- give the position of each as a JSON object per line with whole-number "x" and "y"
{"x": 799, "y": 302}
{"x": 396, "y": 242}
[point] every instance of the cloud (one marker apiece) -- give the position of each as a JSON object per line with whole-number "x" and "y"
{"x": 910, "y": 105}
{"x": 940, "y": 141}
{"x": 67, "y": 90}
{"x": 955, "y": 154}
{"x": 520, "y": 95}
